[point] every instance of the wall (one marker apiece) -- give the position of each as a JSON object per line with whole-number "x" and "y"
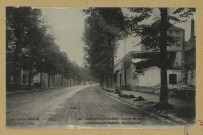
{"x": 24, "y": 81}
{"x": 190, "y": 57}
{"x": 178, "y": 46}
{"x": 151, "y": 78}
{"x": 129, "y": 75}
{"x": 36, "y": 80}
{"x": 118, "y": 66}
{"x": 118, "y": 79}
{"x": 191, "y": 75}
{"x": 52, "y": 81}
{"x": 48, "y": 81}
{"x": 118, "y": 72}
{"x": 55, "y": 80}
{"x": 44, "y": 80}
{"x": 178, "y": 60}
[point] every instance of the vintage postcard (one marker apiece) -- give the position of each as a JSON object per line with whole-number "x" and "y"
{"x": 101, "y": 67}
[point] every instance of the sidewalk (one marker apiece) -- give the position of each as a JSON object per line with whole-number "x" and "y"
{"x": 14, "y": 92}
{"x": 155, "y": 98}
{"x": 183, "y": 112}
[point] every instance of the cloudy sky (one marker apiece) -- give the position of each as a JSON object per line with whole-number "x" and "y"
{"x": 68, "y": 25}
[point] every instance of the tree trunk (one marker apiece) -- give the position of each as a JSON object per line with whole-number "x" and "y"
{"x": 48, "y": 80}
{"x": 163, "y": 58}
{"x": 107, "y": 81}
{"x": 111, "y": 76}
{"x": 41, "y": 83}
{"x": 17, "y": 67}
{"x": 112, "y": 79}
{"x": 54, "y": 81}
{"x": 125, "y": 63}
{"x": 100, "y": 81}
{"x": 61, "y": 80}
{"x": 30, "y": 77}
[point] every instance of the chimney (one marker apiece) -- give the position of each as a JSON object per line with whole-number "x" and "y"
{"x": 192, "y": 29}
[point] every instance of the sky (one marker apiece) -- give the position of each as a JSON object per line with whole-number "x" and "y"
{"x": 67, "y": 26}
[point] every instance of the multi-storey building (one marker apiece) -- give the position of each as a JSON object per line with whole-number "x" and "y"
{"x": 142, "y": 68}
{"x": 190, "y": 57}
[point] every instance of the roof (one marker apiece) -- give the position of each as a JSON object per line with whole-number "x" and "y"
{"x": 176, "y": 28}
{"x": 142, "y": 54}
{"x": 147, "y": 59}
{"x": 148, "y": 63}
{"x": 143, "y": 59}
{"x": 137, "y": 60}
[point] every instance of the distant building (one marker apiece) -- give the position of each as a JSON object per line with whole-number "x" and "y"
{"x": 40, "y": 80}
{"x": 12, "y": 81}
{"x": 190, "y": 57}
{"x": 45, "y": 80}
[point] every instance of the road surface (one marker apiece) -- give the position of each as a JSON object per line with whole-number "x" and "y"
{"x": 74, "y": 107}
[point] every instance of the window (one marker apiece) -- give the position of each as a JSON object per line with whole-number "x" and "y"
{"x": 139, "y": 70}
{"x": 24, "y": 78}
{"x": 172, "y": 78}
{"x": 177, "y": 39}
{"x": 178, "y": 32}
{"x": 177, "y": 44}
{"x": 11, "y": 78}
{"x": 192, "y": 74}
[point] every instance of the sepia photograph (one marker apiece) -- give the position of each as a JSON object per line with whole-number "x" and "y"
{"x": 100, "y": 67}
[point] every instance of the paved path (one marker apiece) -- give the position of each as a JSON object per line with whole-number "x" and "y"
{"x": 74, "y": 107}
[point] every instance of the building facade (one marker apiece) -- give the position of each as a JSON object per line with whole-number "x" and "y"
{"x": 141, "y": 69}
{"x": 190, "y": 57}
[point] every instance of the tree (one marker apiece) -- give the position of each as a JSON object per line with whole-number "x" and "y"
{"x": 94, "y": 38}
{"x": 32, "y": 48}
{"x": 22, "y": 28}
{"x": 156, "y": 36}
{"x": 103, "y": 28}
{"x": 85, "y": 74}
